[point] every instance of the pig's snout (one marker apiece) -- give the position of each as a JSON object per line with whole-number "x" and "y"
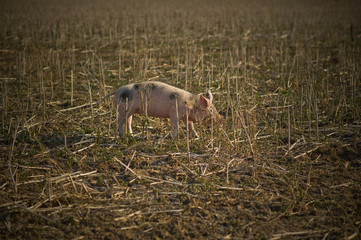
{"x": 212, "y": 115}
{"x": 217, "y": 117}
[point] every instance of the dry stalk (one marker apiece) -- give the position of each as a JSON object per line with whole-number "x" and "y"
{"x": 102, "y": 76}
{"x": 188, "y": 149}
{"x": 11, "y": 153}
{"x": 42, "y": 93}
{"x": 162, "y": 180}
{"x": 90, "y": 99}
{"x": 60, "y": 178}
{"x": 212, "y": 140}
{"x": 84, "y": 148}
{"x": 4, "y": 91}
{"x": 177, "y": 113}
{"x": 86, "y": 189}
{"x": 119, "y": 62}
{"x": 72, "y": 88}
{"x": 307, "y": 152}
{"x": 73, "y": 184}
{"x": 291, "y": 147}
{"x": 131, "y": 159}
{"x": 227, "y": 170}
{"x": 226, "y": 135}
{"x": 242, "y": 120}
{"x": 289, "y": 234}
{"x": 126, "y": 120}
{"x": 164, "y": 211}
{"x": 30, "y": 211}
{"x": 49, "y": 187}
{"x": 230, "y": 188}
{"x": 126, "y": 167}
{"x": 254, "y": 156}
{"x": 110, "y": 118}
{"x": 77, "y": 107}
{"x": 234, "y": 128}
{"x": 117, "y": 115}
{"x": 179, "y": 193}
{"x": 127, "y": 217}
{"x": 4, "y": 185}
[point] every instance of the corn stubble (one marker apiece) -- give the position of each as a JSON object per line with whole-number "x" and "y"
{"x": 284, "y": 163}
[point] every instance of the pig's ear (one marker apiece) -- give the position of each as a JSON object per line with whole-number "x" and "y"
{"x": 209, "y": 95}
{"x": 203, "y": 102}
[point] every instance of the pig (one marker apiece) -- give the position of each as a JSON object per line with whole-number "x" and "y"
{"x": 157, "y": 99}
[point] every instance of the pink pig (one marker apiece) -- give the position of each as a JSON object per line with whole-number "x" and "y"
{"x": 157, "y": 99}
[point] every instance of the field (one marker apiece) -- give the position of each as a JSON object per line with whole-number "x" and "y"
{"x": 284, "y": 164}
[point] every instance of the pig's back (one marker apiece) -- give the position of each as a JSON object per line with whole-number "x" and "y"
{"x": 157, "y": 92}
{"x": 167, "y": 92}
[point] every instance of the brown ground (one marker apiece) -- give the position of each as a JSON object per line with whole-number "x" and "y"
{"x": 285, "y": 164}
{"x": 166, "y": 196}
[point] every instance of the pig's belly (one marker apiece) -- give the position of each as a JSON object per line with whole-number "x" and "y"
{"x": 155, "y": 111}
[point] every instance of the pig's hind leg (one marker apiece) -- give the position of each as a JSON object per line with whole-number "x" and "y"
{"x": 125, "y": 124}
{"x": 120, "y": 125}
{"x": 121, "y": 119}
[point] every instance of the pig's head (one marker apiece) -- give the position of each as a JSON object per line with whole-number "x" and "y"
{"x": 204, "y": 109}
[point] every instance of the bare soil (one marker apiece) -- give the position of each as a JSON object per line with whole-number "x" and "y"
{"x": 284, "y": 164}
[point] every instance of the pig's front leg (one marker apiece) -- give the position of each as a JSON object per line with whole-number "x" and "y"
{"x": 191, "y": 129}
{"x": 174, "y": 121}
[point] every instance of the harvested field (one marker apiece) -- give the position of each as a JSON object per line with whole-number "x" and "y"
{"x": 284, "y": 164}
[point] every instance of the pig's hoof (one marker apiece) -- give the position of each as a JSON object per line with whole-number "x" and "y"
{"x": 173, "y": 135}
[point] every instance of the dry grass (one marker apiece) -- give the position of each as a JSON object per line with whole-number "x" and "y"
{"x": 285, "y": 165}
